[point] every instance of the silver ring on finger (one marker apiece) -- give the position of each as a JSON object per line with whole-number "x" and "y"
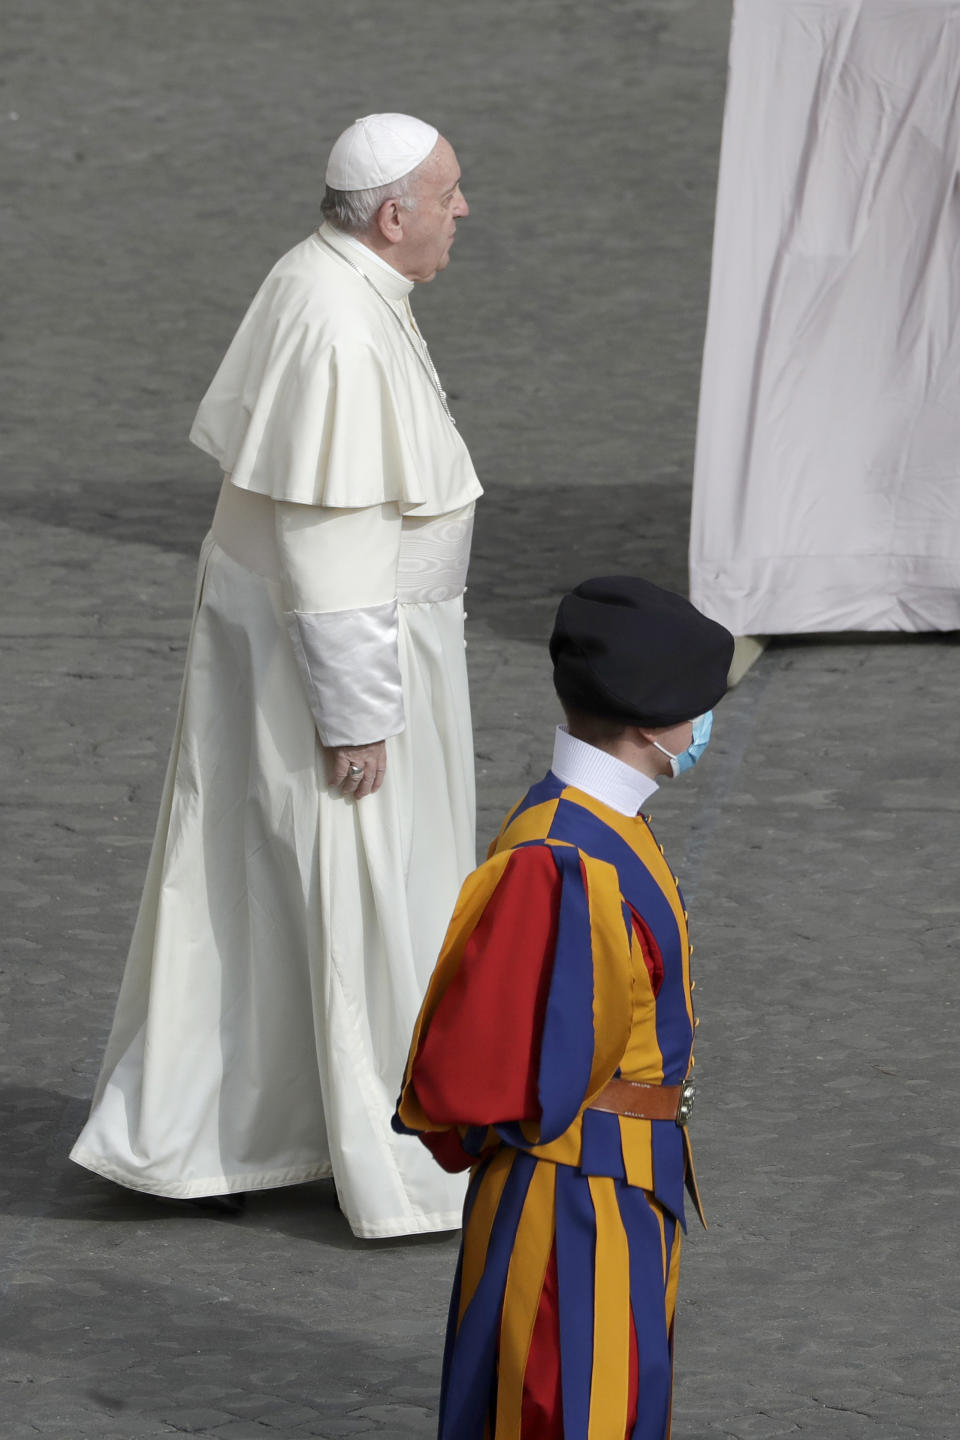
{"x": 355, "y": 772}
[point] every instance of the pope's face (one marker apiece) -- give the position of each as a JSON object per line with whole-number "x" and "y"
{"x": 429, "y": 228}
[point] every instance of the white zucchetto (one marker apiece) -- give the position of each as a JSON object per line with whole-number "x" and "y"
{"x": 378, "y": 149}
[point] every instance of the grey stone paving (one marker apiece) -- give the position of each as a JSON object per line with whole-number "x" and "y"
{"x": 162, "y": 157}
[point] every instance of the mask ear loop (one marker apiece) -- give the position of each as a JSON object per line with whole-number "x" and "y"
{"x": 674, "y": 759}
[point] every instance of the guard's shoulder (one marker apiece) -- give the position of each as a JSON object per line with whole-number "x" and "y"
{"x": 529, "y": 868}
{"x": 517, "y": 859}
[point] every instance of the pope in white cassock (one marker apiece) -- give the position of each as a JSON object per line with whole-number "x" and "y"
{"x": 318, "y": 814}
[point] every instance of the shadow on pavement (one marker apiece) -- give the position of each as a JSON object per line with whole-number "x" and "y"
{"x": 37, "y": 1128}
{"x": 531, "y": 543}
{"x": 172, "y": 515}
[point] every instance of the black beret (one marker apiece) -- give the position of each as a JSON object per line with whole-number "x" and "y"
{"x": 624, "y": 648}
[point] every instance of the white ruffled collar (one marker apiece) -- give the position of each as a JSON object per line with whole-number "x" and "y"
{"x": 388, "y": 281}
{"x": 600, "y": 775}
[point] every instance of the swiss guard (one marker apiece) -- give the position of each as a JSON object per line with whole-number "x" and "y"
{"x": 553, "y": 1053}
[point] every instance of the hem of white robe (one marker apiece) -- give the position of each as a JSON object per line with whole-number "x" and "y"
{"x": 213, "y": 1185}
{"x": 812, "y": 595}
{"x": 414, "y": 1223}
{"x": 407, "y": 1225}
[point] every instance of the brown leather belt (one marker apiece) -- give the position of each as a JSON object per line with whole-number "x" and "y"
{"x": 641, "y": 1101}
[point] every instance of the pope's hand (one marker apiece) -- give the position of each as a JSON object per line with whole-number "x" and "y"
{"x": 343, "y": 772}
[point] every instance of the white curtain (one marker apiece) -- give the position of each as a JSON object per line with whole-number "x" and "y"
{"x": 827, "y": 477}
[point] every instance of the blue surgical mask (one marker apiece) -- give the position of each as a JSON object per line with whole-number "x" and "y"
{"x": 686, "y": 760}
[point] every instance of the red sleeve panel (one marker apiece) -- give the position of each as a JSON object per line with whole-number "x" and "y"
{"x": 447, "y": 1149}
{"x": 649, "y": 949}
{"x": 477, "y": 1063}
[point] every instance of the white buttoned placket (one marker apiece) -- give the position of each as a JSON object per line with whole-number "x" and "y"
{"x": 426, "y": 357}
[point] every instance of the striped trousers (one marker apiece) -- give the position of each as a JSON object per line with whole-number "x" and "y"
{"x": 561, "y": 1320}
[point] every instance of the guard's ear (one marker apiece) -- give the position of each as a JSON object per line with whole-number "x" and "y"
{"x": 652, "y": 733}
{"x": 390, "y": 221}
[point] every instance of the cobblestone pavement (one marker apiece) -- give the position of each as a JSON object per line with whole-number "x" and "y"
{"x": 160, "y": 158}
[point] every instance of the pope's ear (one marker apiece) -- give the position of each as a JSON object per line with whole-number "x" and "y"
{"x": 390, "y": 222}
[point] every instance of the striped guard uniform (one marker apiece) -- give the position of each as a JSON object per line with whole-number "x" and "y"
{"x": 566, "y": 963}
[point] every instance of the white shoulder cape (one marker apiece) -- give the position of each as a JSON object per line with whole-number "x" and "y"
{"x": 322, "y": 399}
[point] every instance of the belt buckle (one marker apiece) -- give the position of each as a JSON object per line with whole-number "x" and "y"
{"x": 688, "y": 1091}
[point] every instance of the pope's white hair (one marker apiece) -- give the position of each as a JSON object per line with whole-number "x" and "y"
{"x": 353, "y": 211}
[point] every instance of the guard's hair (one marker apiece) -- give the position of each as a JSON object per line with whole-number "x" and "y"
{"x": 596, "y": 730}
{"x": 354, "y": 211}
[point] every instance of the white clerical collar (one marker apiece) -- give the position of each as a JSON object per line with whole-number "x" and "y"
{"x": 387, "y": 280}
{"x": 598, "y": 774}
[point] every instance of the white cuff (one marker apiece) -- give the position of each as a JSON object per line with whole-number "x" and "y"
{"x": 348, "y": 661}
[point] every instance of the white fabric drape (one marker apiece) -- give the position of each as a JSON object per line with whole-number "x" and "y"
{"x": 827, "y": 478}
{"x": 286, "y": 933}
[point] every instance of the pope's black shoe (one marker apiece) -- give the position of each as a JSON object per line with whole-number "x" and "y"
{"x": 221, "y": 1204}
